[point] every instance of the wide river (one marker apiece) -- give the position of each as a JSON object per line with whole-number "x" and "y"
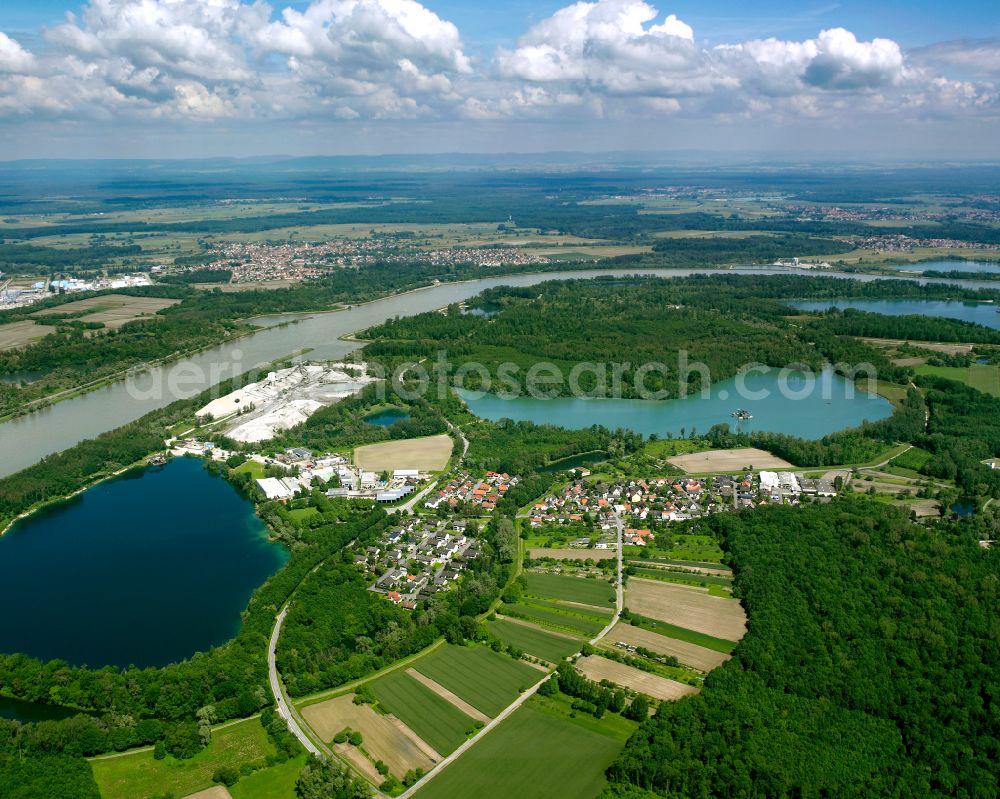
{"x": 145, "y": 569}
{"x": 27, "y": 439}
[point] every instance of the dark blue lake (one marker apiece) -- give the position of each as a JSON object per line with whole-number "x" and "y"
{"x": 982, "y": 313}
{"x": 31, "y": 712}
{"x": 145, "y": 569}
{"x": 387, "y": 417}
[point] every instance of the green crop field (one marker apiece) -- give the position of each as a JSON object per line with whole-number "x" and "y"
{"x": 553, "y": 618}
{"x": 140, "y": 776}
{"x": 914, "y": 458}
{"x": 486, "y": 680}
{"x": 984, "y": 377}
{"x": 592, "y": 612}
{"x": 276, "y": 782}
{"x": 435, "y": 720}
{"x": 574, "y": 589}
{"x": 688, "y": 578}
{"x": 537, "y": 753}
{"x": 254, "y": 468}
{"x": 539, "y": 643}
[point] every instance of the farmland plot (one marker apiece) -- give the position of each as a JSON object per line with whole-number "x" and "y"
{"x": 597, "y": 668}
{"x": 434, "y": 719}
{"x": 486, "y": 680}
{"x": 688, "y": 607}
{"x": 386, "y": 738}
{"x": 697, "y": 657}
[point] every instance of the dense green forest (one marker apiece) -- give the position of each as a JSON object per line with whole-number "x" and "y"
{"x": 915, "y": 327}
{"x": 25, "y": 258}
{"x": 599, "y": 322}
{"x": 869, "y": 666}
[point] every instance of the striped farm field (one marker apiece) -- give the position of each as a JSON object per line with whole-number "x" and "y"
{"x": 597, "y": 668}
{"x": 554, "y": 618}
{"x": 531, "y": 755}
{"x": 698, "y": 657}
{"x": 688, "y": 607}
{"x": 574, "y": 589}
{"x": 485, "y": 679}
{"x": 434, "y": 719}
{"x": 534, "y": 640}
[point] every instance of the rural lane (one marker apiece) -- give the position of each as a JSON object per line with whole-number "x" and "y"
{"x": 619, "y": 588}
{"x": 288, "y": 712}
{"x": 285, "y": 709}
{"x": 408, "y": 506}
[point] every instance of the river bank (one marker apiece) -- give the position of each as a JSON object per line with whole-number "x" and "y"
{"x": 26, "y": 439}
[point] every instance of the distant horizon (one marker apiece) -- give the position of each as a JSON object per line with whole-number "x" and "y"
{"x": 711, "y": 157}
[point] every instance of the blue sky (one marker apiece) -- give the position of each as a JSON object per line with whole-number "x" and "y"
{"x": 912, "y": 23}
{"x": 233, "y": 76}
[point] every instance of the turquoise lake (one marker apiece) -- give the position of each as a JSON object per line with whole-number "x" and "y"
{"x": 982, "y": 313}
{"x": 951, "y": 266}
{"x": 790, "y": 406}
{"x": 145, "y": 569}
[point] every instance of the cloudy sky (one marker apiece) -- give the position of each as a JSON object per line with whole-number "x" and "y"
{"x": 129, "y": 78}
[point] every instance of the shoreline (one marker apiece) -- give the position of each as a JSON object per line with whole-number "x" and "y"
{"x": 45, "y": 503}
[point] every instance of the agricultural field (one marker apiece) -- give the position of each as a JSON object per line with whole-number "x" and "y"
{"x": 216, "y": 792}
{"x": 702, "y": 548}
{"x": 728, "y": 460}
{"x": 564, "y": 587}
{"x": 914, "y": 459}
{"x": 276, "y": 782}
{"x": 555, "y": 755}
{"x": 549, "y": 646}
{"x": 718, "y": 584}
{"x": 139, "y": 775}
{"x": 980, "y": 376}
{"x": 597, "y": 668}
{"x": 687, "y": 607}
{"x": 566, "y": 553}
{"x": 441, "y": 723}
{"x": 254, "y": 468}
{"x": 429, "y": 454}
{"x": 17, "y": 334}
{"x": 697, "y": 657}
{"x": 384, "y": 737}
{"x": 572, "y": 620}
{"x": 689, "y": 565}
{"x": 113, "y": 310}
{"x": 486, "y": 680}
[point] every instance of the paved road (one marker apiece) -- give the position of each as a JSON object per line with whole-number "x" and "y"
{"x": 285, "y": 709}
{"x": 408, "y": 506}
